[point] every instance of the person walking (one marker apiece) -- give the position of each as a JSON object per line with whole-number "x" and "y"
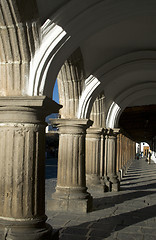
{"x": 149, "y": 157}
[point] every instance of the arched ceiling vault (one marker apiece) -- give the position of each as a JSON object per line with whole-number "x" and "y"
{"x": 118, "y": 44}
{"x": 103, "y": 29}
{"x": 120, "y": 79}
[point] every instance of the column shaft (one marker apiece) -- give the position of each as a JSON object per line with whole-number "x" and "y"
{"x": 22, "y": 164}
{"x": 119, "y": 159}
{"x": 93, "y": 158}
{"x": 71, "y": 192}
{"x": 107, "y": 183}
{"x": 111, "y": 155}
{"x": 20, "y": 185}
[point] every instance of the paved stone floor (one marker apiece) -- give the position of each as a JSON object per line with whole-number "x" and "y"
{"x": 126, "y": 215}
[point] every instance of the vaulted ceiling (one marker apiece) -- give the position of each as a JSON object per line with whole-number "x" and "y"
{"x": 139, "y": 122}
{"x": 118, "y": 44}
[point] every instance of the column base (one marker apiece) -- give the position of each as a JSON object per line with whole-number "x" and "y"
{"x": 119, "y": 174}
{"x": 107, "y": 184}
{"x": 115, "y": 184}
{"x": 25, "y": 230}
{"x": 115, "y": 187}
{"x": 124, "y": 171}
{"x": 70, "y": 200}
{"x": 94, "y": 183}
{"x": 97, "y": 188}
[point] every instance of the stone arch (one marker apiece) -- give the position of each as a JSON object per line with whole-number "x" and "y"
{"x": 86, "y": 99}
{"x": 112, "y": 115}
{"x": 53, "y": 38}
{"x": 61, "y": 39}
{"x": 19, "y": 25}
{"x": 70, "y": 84}
{"x": 97, "y": 114}
{"x": 105, "y": 75}
{"x": 145, "y": 90}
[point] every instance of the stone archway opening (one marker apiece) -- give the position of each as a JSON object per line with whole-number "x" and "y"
{"x": 138, "y": 122}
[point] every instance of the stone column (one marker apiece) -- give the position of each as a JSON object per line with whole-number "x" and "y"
{"x": 22, "y": 167}
{"x": 118, "y": 156}
{"x": 123, "y": 155}
{"x": 129, "y": 153}
{"x": 126, "y": 153}
{"x": 111, "y": 156}
{"x": 134, "y": 150}
{"x": 102, "y": 158}
{"x": 118, "y": 167}
{"x": 106, "y": 178}
{"x": 93, "y": 158}
{"x": 71, "y": 193}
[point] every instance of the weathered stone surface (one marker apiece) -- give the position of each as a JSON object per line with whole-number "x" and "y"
{"x": 93, "y": 158}
{"x": 111, "y": 160}
{"x": 22, "y": 155}
{"x": 70, "y": 81}
{"x": 98, "y": 112}
{"x": 71, "y": 192}
{"x": 19, "y": 39}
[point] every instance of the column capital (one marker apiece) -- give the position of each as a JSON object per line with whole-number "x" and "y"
{"x": 69, "y": 126}
{"x": 116, "y": 131}
{"x": 28, "y": 101}
{"x": 95, "y": 130}
{"x": 105, "y": 130}
{"x": 113, "y": 132}
{"x": 26, "y": 109}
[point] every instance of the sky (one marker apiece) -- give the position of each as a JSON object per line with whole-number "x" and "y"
{"x": 55, "y": 93}
{"x": 55, "y": 98}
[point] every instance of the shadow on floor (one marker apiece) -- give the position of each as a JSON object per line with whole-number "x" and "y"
{"x": 134, "y": 183}
{"x": 105, "y": 227}
{"x": 110, "y": 201}
{"x": 130, "y": 178}
{"x": 141, "y": 187}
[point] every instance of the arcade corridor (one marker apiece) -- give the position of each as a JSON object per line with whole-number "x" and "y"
{"x": 128, "y": 214}
{"x": 103, "y": 55}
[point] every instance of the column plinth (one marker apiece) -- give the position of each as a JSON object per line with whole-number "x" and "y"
{"x": 71, "y": 191}
{"x": 111, "y": 161}
{"x": 93, "y": 159}
{"x": 22, "y": 164}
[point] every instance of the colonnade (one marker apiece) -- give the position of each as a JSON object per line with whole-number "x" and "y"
{"x": 23, "y": 107}
{"x": 126, "y": 151}
{"x": 89, "y": 159}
